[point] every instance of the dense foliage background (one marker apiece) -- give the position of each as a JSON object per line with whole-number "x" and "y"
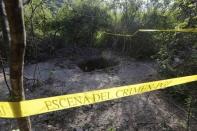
{"x": 55, "y": 24}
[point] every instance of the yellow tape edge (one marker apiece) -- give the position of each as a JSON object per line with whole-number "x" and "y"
{"x": 189, "y": 30}
{"x": 50, "y": 104}
{"x": 192, "y": 30}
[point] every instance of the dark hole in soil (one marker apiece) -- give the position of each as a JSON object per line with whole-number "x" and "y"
{"x": 97, "y": 63}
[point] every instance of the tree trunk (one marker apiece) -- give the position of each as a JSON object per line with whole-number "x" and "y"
{"x": 6, "y": 39}
{"x": 14, "y": 10}
{"x": 5, "y": 30}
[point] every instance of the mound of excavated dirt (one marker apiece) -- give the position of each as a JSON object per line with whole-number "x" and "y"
{"x": 146, "y": 112}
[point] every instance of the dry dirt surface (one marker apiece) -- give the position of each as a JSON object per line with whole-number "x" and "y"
{"x": 146, "y": 112}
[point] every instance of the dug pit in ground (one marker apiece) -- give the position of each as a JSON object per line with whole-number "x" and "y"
{"x": 96, "y": 63}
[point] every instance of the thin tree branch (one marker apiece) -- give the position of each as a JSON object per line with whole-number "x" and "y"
{"x": 4, "y": 75}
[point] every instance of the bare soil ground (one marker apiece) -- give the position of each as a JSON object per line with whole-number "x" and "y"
{"x": 146, "y": 112}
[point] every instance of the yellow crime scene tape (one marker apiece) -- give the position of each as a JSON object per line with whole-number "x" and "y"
{"x": 189, "y": 30}
{"x": 50, "y": 104}
{"x": 44, "y": 105}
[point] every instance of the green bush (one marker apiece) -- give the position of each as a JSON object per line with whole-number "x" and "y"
{"x": 79, "y": 25}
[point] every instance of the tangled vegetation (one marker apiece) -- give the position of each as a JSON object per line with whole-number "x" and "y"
{"x": 55, "y": 24}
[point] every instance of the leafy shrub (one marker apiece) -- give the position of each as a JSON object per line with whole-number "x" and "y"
{"x": 79, "y": 24}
